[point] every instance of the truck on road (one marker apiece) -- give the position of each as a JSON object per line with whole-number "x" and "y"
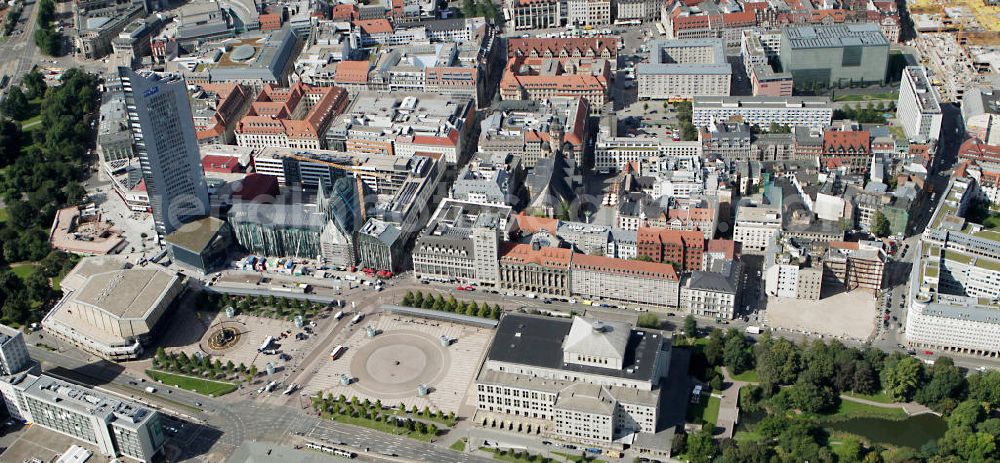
{"x": 151, "y": 389}
{"x": 753, "y": 330}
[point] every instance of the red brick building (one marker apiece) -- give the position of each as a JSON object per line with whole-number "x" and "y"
{"x": 684, "y": 249}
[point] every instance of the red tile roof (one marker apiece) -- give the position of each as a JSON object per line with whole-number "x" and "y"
{"x": 580, "y": 46}
{"x": 844, "y": 245}
{"x": 722, "y": 246}
{"x": 352, "y": 72}
{"x": 531, "y": 224}
{"x": 844, "y": 141}
{"x": 254, "y": 185}
{"x": 374, "y": 26}
{"x": 546, "y": 257}
{"x": 975, "y": 149}
{"x": 635, "y": 268}
{"x": 220, "y": 164}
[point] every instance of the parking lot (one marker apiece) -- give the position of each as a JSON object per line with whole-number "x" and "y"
{"x": 850, "y": 315}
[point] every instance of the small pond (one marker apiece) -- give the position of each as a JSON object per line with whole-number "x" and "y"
{"x": 913, "y": 432}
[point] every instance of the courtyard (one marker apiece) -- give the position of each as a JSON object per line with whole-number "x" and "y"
{"x": 404, "y": 354}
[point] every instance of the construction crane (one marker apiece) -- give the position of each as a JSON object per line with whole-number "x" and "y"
{"x": 349, "y": 168}
{"x": 358, "y": 172}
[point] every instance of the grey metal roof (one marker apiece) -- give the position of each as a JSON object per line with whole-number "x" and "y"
{"x": 282, "y": 215}
{"x": 834, "y": 36}
{"x": 658, "y": 65}
{"x": 711, "y": 281}
{"x": 969, "y": 312}
{"x": 537, "y": 341}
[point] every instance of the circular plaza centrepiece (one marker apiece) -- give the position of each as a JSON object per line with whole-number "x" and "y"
{"x": 392, "y": 365}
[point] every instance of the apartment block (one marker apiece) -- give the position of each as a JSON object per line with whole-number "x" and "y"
{"x": 756, "y": 226}
{"x": 684, "y": 68}
{"x": 814, "y": 112}
{"x": 919, "y": 107}
{"x": 624, "y": 281}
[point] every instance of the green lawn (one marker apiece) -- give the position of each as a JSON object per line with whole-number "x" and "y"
{"x": 991, "y": 222}
{"x": 577, "y": 458}
{"x": 749, "y": 376}
{"x": 880, "y": 397}
{"x": 458, "y": 446}
{"x": 707, "y": 410}
{"x": 191, "y": 383}
{"x": 4, "y": 216}
{"x": 893, "y": 96}
{"x": 848, "y": 409}
{"x": 31, "y": 123}
{"x": 380, "y": 426}
{"x": 746, "y": 436}
{"x": 24, "y": 269}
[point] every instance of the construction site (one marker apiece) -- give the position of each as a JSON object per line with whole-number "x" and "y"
{"x": 959, "y": 41}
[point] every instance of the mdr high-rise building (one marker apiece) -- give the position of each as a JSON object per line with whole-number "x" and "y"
{"x": 160, "y": 119}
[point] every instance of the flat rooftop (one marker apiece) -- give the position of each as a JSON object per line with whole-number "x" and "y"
{"x": 763, "y": 102}
{"x": 834, "y": 36}
{"x": 679, "y": 56}
{"x": 128, "y": 293}
{"x": 925, "y": 93}
{"x": 89, "y": 402}
{"x": 196, "y": 235}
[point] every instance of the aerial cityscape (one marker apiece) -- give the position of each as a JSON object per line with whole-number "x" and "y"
{"x": 523, "y": 231}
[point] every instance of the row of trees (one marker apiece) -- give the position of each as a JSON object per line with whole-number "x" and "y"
{"x": 375, "y": 412}
{"x": 870, "y": 114}
{"x": 260, "y": 306}
{"x": 10, "y": 22}
{"x": 431, "y": 302}
{"x": 46, "y": 37}
{"x": 202, "y": 366}
{"x": 484, "y": 8}
{"x": 808, "y": 377}
{"x": 684, "y": 117}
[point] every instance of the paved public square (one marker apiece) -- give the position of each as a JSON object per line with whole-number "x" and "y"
{"x": 252, "y": 333}
{"x": 406, "y": 353}
{"x": 848, "y": 315}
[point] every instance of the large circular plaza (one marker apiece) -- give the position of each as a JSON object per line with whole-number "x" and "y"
{"x": 392, "y": 365}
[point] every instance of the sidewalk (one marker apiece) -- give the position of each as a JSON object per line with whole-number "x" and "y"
{"x": 729, "y": 410}
{"x": 911, "y": 408}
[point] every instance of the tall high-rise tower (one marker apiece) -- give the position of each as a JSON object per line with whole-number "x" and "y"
{"x": 160, "y": 119}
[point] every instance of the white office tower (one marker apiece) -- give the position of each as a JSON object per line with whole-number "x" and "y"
{"x": 116, "y": 427}
{"x": 13, "y": 353}
{"x": 919, "y": 108}
{"x": 160, "y": 118}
